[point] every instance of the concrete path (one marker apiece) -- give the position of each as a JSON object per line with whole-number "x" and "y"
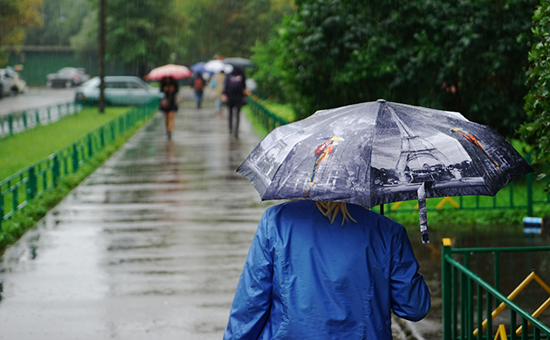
{"x": 149, "y": 247}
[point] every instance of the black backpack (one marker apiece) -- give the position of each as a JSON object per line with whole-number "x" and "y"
{"x": 235, "y": 85}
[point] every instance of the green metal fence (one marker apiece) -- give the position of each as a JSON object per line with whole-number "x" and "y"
{"x": 468, "y": 300}
{"x": 507, "y": 198}
{"x": 17, "y": 122}
{"x": 19, "y": 189}
{"x": 268, "y": 119}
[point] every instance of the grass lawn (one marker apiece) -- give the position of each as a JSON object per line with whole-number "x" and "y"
{"x": 26, "y": 148}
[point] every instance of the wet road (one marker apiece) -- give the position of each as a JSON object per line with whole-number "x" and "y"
{"x": 37, "y": 97}
{"x": 149, "y": 247}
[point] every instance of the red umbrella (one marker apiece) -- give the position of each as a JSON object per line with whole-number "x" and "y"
{"x": 176, "y": 71}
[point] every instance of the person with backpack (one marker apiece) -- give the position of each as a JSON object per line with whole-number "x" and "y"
{"x": 234, "y": 95}
{"x": 198, "y": 87}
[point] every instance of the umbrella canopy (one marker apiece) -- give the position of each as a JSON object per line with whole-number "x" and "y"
{"x": 176, "y": 71}
{"x": 239, "y": 62}
{"x": 381, "y": 152}
{"x": 216, "y": 66}
{"x": 199, "y": 68}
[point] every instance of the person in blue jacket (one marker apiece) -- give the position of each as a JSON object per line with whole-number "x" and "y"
{"x": 326, "y": 270}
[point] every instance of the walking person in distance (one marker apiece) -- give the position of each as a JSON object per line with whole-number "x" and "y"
{"x": 233, "y": 94}
{"x": 198, "y": 87}
{"x": 168, "y": 104}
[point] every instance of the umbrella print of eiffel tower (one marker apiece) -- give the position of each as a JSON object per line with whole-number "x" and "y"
{"x": 413, "y": 149}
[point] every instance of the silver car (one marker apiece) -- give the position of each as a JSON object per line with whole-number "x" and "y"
{"x": 119, "y": 90}
{"x": 7, "y": 85}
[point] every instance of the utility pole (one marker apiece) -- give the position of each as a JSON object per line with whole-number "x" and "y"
{"x": 101, "y": 56}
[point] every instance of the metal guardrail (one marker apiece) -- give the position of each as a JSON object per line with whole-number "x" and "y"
{"x": 268, "y": 119}
{"x": 463, "y": 307}
{"x": 22, "y": 187}
{"x": 17, "y": 122}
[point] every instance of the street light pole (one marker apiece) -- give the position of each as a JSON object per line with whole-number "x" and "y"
{"x": 101, "y": 56}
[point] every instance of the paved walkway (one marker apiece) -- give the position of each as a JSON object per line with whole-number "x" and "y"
{"x": 149, "y": 247}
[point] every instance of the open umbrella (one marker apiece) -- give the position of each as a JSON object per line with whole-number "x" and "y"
{"x": 239, "y": 62}
{"x": 216, "y": 66}
{"x": 176, "y": 71}
{"x": 199, "y": 68}
{"x": 380, "y": 152}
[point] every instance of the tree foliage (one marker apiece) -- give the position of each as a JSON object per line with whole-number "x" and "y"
{"x": 230, "y": 27}
{"x": 537, "y": 102}
{"x": 62, "y": 19}
{"x": 16, "y": 16}
{"x": 142, "y": 32}
{"x": 468, "y": 56}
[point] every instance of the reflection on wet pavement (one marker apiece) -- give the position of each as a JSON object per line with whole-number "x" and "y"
{"x": 149, "y": 247}
{"x": 152, "y": 244}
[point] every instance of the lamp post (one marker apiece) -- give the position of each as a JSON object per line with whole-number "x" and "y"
{"x": 101, "y": 56}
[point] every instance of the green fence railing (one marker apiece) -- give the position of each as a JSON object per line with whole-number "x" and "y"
{"x": 507, "y": 198}
{"x": 16, "y": 122}
{"x": 267, "y": 119}
{"x": 470, "y": 303}
{"x": 22, "y": 187}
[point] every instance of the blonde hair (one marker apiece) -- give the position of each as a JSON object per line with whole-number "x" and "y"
{"x": 331, "y": 210}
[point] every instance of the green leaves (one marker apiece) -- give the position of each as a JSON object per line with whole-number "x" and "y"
{"x": 468, "y": 56}
{"x": 536, "y": 131}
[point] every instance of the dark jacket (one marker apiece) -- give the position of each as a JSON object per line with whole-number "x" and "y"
{"x": 165, "y": 87}
{"x": 235, "y": 84}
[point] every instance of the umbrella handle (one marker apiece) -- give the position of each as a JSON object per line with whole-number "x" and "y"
{"x": 423, "y": 214}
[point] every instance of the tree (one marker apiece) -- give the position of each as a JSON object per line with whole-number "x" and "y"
{"x": 536, "y": 132}
{"x": 15, "y": 17}
{"x": 230, "y": 28}
{"x": 62, "y": 19}
{"x": 140, "y": 33}
{"x": 467, "y": 56}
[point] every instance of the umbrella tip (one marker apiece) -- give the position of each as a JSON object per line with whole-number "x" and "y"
{"x": 381, "y": 100}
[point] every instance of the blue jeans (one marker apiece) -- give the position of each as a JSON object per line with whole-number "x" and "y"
{"x": 198, "y": 98}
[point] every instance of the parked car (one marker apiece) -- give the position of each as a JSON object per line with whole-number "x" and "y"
{"x": 19, "y": 85}
{"x": 119, "y": 90}
{"x": 67, "y": 77}
{"x": 7, "y": 86}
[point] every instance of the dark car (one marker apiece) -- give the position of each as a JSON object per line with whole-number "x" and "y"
{"x": 67, "y": 77}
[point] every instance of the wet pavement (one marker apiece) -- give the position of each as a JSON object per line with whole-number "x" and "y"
{"x": 36, "y": 97}
{"x": 150, "y": 246}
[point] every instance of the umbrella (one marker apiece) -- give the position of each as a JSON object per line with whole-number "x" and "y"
{"x": 199, "y": 68}
{"x": 239, "y": 62}
{"x": 176, "y": 71}
{"x": 216, "y": 66}
{"x": 381, "y": 152}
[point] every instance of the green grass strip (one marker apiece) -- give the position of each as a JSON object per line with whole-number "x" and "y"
{"x": 27, "y": 218}
{"x": 29, "y": 147}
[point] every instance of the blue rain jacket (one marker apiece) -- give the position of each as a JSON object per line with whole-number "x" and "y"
{"x": 305, "y": 278}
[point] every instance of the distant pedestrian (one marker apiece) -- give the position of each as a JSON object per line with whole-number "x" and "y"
{"x": 198, "y": 87}
{"x": 234, "y": 94}
{"x": 168, "y": 104}
{"x": 216, "y": 85}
